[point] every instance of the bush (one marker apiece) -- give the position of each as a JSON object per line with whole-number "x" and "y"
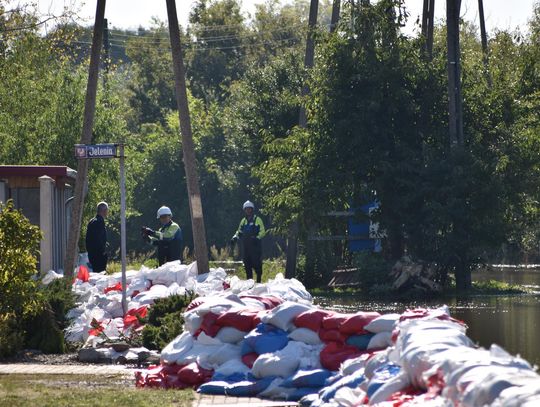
{"x": 165, "y": 321}
{"x": 19, "y": 296}
{"x": 373, "y": 270}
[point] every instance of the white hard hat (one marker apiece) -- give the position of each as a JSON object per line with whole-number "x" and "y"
{"x": 164, "y": 210}
{"x": 248, "y": 204}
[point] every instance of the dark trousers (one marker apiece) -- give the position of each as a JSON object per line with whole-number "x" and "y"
{"x": 253, "y": 259}
{"x": 98, "y": 261}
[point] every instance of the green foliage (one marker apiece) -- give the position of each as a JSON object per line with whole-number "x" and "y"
{"x": 19, "y": 247}
{"x": 165, "y": 321}
{"x": 373, "y": 270}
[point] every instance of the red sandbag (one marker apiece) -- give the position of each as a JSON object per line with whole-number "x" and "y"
{"x": 269, "y": 302}
{"x": 249, "y": 359}
{"x": 334, "y": 321}
{"x": 131, "y": 316}
{"x": 208, "y": 325}
{"x": 243, "y": 320}
{"x": 311, "y": 319}
{"x": 116, "y": 287}
{"x": 332, "y": 335}
{"x": 83, "y": 274}
{"x": 193, "y": 374}
{"x": 355, "y": 324}
{"x": 335, "y": 353}
{"x": 194, "y": 304}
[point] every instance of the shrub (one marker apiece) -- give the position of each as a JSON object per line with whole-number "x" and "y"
{"x": 372, "y": 270}
{"x": 19, "y": 296}
{"x": 164, "y": 321}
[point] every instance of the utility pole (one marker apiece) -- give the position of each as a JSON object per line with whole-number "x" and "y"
{"x": 86, "y": 138}
{"x": 190, "y": 162}
{"x": 106, "y": 49}
{"x": 455, "y": 103}
{"x": 335, "y": 15}
{"x": 292, "y": 241}
{"x": 483, "y": 36}
{"x": 427, "y": 26}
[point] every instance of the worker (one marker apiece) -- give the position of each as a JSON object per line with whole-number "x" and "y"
{"x": 251, "y": 231}
{"x": 168, "y": 238}
{"x": 96, "y": 239}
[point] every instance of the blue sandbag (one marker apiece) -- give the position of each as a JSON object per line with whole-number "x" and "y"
{"x": 360, "y": 341}
{"x": 310, "y": 400}
{"x": 265, "y": 338}
{"x": 248, "y": 388}
{"x": 236, "y": 377}
{"x": 308, "y": 378}
{"x": 381, "y": 376}
{"x": 215, "y": 387}
{"x": 352, "y": 381}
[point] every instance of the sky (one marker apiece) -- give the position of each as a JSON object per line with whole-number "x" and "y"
{"x": 130, "y": 14}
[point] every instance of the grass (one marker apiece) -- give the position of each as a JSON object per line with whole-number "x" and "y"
{"x": 79, "y": 390}
{"x": 494, "y": 287}
{"x": 271, "y": 268}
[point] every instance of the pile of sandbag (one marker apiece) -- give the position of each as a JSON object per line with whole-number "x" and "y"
{"x": 99, "y": 310}
{"x": 256, "y": 344}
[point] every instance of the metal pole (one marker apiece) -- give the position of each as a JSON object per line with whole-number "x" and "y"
{"x": 188, "y": 149}
{"x": 123, "y": 226}
{"x": 455, "y": 119}
{"x": 86, "y": 138}
{"x": 292, "y": 240}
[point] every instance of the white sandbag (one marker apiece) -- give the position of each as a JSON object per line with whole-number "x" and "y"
{"x": 223, "y": 354}
{"x": 284, "y": 314}
{"x": 378, "y": 360}
{"x": 286, "y": 361}
{"x": 228, "y": 334}
{"x": 380, "y": 340}
{"x": 395, "y": 384}
{"x": 384, "y": 323}
{"x": 50, "y": 276}
{"x": 274, "y": 364}
{"x": 305, "y": 335}
{"x": 350, "y": 366}
{"x": 238, "y": 286}
{"x": 204, "y": 339}
{"x": 149, "y": 297}
{"x": 176, "y": 348}
{"x": 347, "y": 397}
{"x": 175, "y": 289}
{"x": 233, "y": 366}
{"x": 192, "y": 322}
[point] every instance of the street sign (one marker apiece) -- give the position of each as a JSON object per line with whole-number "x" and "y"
{"x": 89, "y": 151}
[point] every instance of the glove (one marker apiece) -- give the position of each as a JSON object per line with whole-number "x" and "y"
{"x": 146, "y": 231}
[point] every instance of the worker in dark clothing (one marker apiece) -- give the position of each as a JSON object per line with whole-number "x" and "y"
{"x": 168, "y": 238}
{"x": 251, "y": 231}
{"x": 96, "y": 239}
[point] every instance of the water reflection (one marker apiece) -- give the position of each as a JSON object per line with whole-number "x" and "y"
{"x": 512, "y": 322}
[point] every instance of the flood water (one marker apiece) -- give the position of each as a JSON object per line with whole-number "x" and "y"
{"x": 512, "y": 322}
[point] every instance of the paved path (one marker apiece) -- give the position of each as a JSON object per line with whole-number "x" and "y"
{"x": 200, "y": 400}
{"x": 29, "y": 368}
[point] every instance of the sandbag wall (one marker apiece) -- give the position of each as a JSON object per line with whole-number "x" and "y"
{"x": 255, "y": 343}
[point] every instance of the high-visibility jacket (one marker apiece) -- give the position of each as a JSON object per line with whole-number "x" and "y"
{"x": 250, "y": 228}
{"x": 168, "y": 239}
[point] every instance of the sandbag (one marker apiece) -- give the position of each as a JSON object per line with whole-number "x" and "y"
{"x": 214, "y": 387}
{"x": 360, "y": 341}
{"x": 383, "y": 323}
{"x": 229, "y": 334}
{"x": 265, "y": 338}
{"x": 284, "y": 314}
{"x": 231, "y": 367}
{"x": 382, "y": 375}
{"x": 224, "y": 353}
{"x": 334, "y": 354}
{"x": 351, "y": 381}
{"x": 241, "y": 319}
{"x": 248, "y": 388}
{"x": 389, "y": 387}
{"x": 354, "y": 325}
{"x": 334, "y": 321}
{"x": 315, "y": 378}
{"x": 332, "y": 335}
{"x": 311, "y": 319}
{"x": 193, "y": 374}
{"x": 380, "y": 341}
{"x": 305, "y": 335}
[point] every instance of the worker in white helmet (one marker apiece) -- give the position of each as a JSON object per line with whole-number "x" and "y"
{"x": 251, "y": 231}
{"x": 168, "y": 238}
